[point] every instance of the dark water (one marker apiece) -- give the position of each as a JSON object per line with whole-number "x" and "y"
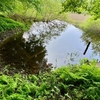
{"x": 54, "y": 42}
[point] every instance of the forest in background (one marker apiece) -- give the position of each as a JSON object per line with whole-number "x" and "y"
{"x": 28, "y": 11}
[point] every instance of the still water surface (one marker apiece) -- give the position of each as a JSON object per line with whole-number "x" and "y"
{"x": 64, "y": 45}
{"x": 55, "y": 42}
{"x": 68, "y": 45}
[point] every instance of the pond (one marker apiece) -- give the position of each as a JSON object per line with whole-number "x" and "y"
{"x": 55, "y": 42}
{"x": 67, "y": 47}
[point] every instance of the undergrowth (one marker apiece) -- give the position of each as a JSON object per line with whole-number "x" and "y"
{"x": 80, "y": 82}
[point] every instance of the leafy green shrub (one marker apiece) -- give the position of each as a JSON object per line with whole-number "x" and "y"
{"x": 80, "y": 82}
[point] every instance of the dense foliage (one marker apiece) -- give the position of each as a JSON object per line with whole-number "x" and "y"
{"x": 10, "y": 6}
{"x": 28, "y": 11}
{"x": 13, "y": 10}
{"x": 83, "y": 6}
{"x": 80, "y": 82}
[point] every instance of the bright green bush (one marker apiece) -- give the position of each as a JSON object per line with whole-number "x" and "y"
{"x": 80, "y": 82}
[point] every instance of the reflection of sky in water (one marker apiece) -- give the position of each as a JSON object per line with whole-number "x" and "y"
{"x": 52, "y": 27}
{"x": 68, "y": 42}
{"x": 59, "y": 50}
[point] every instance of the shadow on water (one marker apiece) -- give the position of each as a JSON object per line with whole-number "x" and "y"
{"x": 23, "y": 55}
{"x": 56, "y": 42}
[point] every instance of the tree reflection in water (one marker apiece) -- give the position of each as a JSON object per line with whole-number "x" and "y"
{"x": 92, "y": 36}
{"x": 28, "y": 55}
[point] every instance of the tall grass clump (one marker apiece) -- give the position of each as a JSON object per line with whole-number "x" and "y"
{"x": 80, "y": 82}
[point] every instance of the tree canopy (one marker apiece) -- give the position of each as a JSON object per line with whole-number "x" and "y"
{"x": 91, "y": 7}
{"x": 11, "y": 6}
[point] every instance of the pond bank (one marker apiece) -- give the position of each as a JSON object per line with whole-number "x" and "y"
{"x": 77, "y": 19}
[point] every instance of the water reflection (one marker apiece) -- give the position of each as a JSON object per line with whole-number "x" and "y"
{"x": 94, "y": 38}
{"x": 69, "y": 48}
{"x": 62, "y": 50}
{"x": 23, "y": 55}
{"x": 27, "y": 52}
{"x": 56, "y": 42}
{"x": 45, "y": 31}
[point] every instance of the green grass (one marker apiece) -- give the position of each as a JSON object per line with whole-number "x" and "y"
{"x": 80, "y": 82}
